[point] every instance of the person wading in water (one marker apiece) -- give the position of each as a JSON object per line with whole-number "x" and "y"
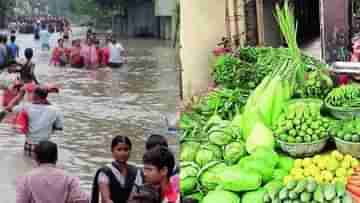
{"x": 42, "y": 119}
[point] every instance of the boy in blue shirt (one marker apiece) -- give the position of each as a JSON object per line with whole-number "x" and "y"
{"x": 13, "y": 48}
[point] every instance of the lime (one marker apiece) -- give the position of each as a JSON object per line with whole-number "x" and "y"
{"x": 283, "y": 137}
{"x": 355, "y": 138}
{"x": 291, "y": 139}
{"x": 347, "y": 137}
{"x": 299, "y": 139}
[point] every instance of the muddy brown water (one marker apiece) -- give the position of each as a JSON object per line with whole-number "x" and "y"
{"x": 97, "y": 105}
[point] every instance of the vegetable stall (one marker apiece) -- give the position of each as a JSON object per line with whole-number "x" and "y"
{"x": 277, "y": 128}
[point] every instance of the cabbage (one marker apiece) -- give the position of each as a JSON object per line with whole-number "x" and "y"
{"x": 188, "y": 177}
{"x": 286, "y": 163}
{"x": 254, "y": 196}
{"x": 261, "y": 136}
{"x": 233, "y": 152}
{"x": 208, "y": 153}
{"x": 239, "y": 180}
{"x": 236, "y": 121}
{"x": 266, "y": 154}
{"x": 221, "y": 137}
{"x": 221, "y": 196}
{"x": 279, "y": 174}
{"x": 257, "y": 165}
{"x": 209, "y": 175}
{"x": 189, "y": 150}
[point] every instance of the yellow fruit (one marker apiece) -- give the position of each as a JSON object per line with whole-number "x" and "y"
{"x": 299, "y": 177}
{"x": 307, "y": 162}
{"x": 335, "y": 153}
{"x": 332, "y": 164}
{"x": 287, "y": 179}
{"x": 345, "y": 164}
{"x": 307, "y": 172}
{"x": 348, "y": 157}
{"x": 354, "y": 163}
{"x": 298, "y": 163}
{"x": 319, "y": 179}
{"x": 297, "y": 171}
{"x": 349, "y": 172}
{"x": 341, "y": 172}
{"x": 321, "y": 164}
{"x": 327, "y": 175}
{"x": 316, "y": 159}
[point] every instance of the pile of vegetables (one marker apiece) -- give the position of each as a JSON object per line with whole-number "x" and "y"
{"x": 225, "y": 102}
{"x": 348, "y": 130}
{"x": 347, "y": 96}
{"x": 248, "y": 66}
{"x": 191, "y": 126}
{"x": 325, "y": 168}
{"x": 227, "y": 139}
{"x": 302, "y": 123}
{"x": 317, "y": 84}
{"x": 307, "y": 190}
{"x": 247, "y": 175}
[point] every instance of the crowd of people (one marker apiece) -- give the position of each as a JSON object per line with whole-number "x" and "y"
{"x": 28, "y": 24}
{"x": 26, "y": 104}
{"x": 89, "y": 52}
{"x": 117, "y": 182}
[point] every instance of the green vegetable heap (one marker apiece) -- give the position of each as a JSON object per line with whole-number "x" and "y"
{"x": 302, "y": 123}
{"x": 317, "y": 85}
{"x": 307, "y": 191}
{"x": 247, "y": 67}
{"x": 348, "y": 131}
{"x": 225, "y": 102}
{"x": 344, "y": 96}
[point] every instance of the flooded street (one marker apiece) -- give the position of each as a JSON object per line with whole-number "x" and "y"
{"x": 97, "y": 106}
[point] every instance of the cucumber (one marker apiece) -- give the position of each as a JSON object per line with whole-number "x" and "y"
{"x": 329, "y": 192}
{"x": 318, "y": 195}
{"x": 293, "y": 195}
{"x": 267, "y": 198}
{"x": 340, "y": 189}
{"x": 273, "y": 188}
{"x": 305, "y": 197}
{"x": 347, "y": 198}
{"x": 291, "y": 184}
{"x": 283, "y": 194}
{"x": 311, "y": 186}
{"x": 336, "y": 200}
{"x": 300, "y": 186}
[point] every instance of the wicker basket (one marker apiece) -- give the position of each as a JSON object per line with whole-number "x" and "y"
{"x": 303, "y": 149}
{"x": 346, "y": 147}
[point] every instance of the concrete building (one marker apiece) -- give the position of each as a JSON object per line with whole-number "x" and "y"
{"x": 146, "y": 18}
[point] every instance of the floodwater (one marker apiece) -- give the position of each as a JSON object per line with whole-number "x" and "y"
{"x": 98, "y": 105}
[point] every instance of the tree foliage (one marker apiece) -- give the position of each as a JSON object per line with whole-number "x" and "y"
{"x": 7, "y": 6}
{"x": 96, "y": 8}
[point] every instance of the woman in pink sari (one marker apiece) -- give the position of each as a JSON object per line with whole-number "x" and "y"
{"x": 88, "y": 52}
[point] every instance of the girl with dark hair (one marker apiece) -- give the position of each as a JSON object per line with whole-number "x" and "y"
{"x": 114, "y": 182}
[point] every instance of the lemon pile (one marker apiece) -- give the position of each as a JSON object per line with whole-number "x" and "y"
{"x": 327, "y": 168}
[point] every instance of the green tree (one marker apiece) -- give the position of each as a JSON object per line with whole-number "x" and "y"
{"x": 7, "y": 8}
